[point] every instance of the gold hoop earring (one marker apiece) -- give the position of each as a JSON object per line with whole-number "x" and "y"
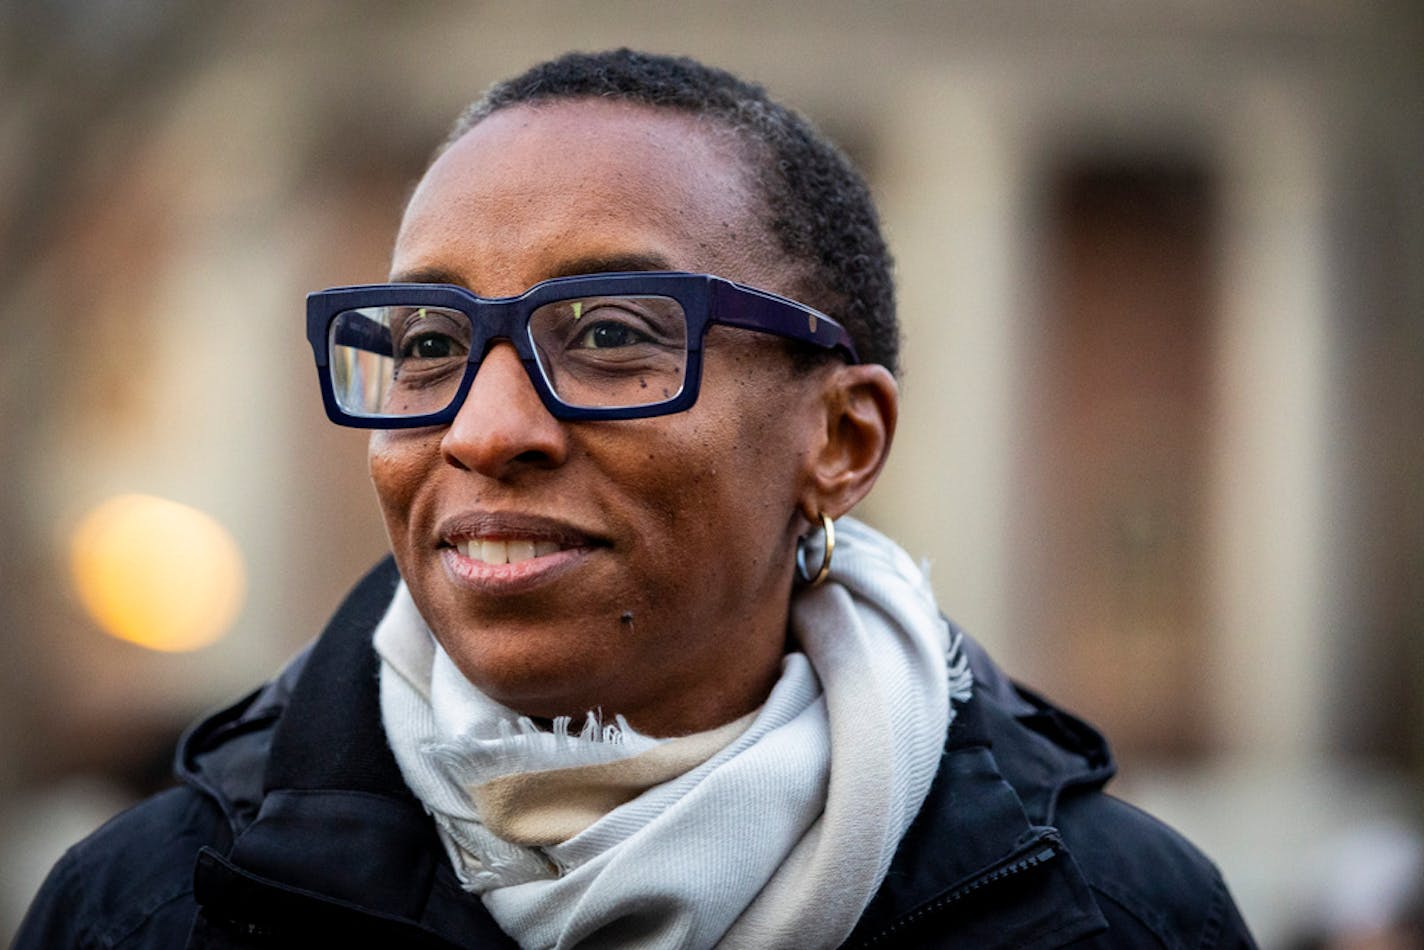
{"x": 828, "y": 529}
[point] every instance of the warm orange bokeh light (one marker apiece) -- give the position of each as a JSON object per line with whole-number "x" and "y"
{"x": 157, "y": 573}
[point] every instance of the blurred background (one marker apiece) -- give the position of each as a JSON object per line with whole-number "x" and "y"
{"x": 1161, "y": 268}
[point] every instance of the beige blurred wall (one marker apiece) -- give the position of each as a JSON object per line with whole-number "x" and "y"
{"x": 173, "y": 181}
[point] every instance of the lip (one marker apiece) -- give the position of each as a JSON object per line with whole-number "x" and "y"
{"x": 575, "y": 546}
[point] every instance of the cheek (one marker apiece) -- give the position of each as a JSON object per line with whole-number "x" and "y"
{"x": 398, "y": 463}
{"x": 734, "y": 474}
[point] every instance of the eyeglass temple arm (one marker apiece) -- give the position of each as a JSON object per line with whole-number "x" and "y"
{"x": 737, "y": 305}
{"x": 362, "y": 333}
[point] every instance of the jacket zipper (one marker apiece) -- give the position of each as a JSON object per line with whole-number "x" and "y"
{"x": 1046, "y": 851}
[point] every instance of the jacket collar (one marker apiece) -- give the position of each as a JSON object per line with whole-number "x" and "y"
{"x": 338, "y": 841}
{"x": 982, "y": 865}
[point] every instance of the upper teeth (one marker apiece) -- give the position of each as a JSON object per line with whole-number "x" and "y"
{"x": 505, "y": 552}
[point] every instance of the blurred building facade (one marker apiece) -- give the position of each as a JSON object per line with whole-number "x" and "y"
{"x": 1160, "y": 280}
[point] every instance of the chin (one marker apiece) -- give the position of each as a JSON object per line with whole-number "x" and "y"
{"x": 533, "y": 673}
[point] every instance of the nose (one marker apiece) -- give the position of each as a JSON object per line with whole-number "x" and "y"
{"x": 502, "y": 425}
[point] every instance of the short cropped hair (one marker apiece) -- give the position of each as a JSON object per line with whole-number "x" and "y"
{"x": 818, "y": 207}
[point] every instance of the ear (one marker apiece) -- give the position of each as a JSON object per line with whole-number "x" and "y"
{"x": 861, "y": 405}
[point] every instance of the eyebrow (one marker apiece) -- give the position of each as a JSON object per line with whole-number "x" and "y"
{"x": 425, "y": 275}
{"x": 610, "y": 264}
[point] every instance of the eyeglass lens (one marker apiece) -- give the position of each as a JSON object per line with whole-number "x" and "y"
{"x": 594, "y": 352}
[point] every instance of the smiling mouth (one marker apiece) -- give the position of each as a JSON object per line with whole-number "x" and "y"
{"x": 505, "y": 553}
{"x": 505, "y": 550}
{"x": 507, "y": 566}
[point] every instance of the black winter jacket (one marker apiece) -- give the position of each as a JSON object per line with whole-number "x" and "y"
{"x": 292, "y": 827}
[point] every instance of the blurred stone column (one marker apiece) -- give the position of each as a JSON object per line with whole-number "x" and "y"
{"x": 1275, "y": 592}
{"x": 954, "y": 213}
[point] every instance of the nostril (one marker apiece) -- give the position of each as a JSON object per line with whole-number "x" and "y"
{"x": 507, "y": 437}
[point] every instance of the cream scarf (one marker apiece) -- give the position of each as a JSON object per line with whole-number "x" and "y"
{"x": 771, "y": 831}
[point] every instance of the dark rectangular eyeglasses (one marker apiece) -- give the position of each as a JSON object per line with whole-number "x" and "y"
{"x": 603, "y": 346}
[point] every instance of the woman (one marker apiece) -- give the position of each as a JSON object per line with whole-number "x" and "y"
{"x": 629, "y": 682}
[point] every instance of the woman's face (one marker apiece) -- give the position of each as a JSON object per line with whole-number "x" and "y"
{"x": 651, "y": 558}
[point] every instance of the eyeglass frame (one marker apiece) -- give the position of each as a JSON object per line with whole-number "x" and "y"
{"x": 705, "y": 300}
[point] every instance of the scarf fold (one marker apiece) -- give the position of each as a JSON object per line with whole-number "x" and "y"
{"x": 771, "y": 831}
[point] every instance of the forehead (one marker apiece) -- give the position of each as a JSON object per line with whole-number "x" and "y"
{"x": 535, "y": 191}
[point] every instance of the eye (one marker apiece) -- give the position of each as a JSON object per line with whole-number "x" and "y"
{"x": 608, "y": 335}
{"x": 429, "y": 334}
{"x": 428, "y": 346}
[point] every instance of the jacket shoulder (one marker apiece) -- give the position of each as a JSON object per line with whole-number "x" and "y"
{"x": 130, "y": 884}
{"x": 1153, "y": 886}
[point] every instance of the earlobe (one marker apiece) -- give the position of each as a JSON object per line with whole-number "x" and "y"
{"x": 861, "y": 405}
